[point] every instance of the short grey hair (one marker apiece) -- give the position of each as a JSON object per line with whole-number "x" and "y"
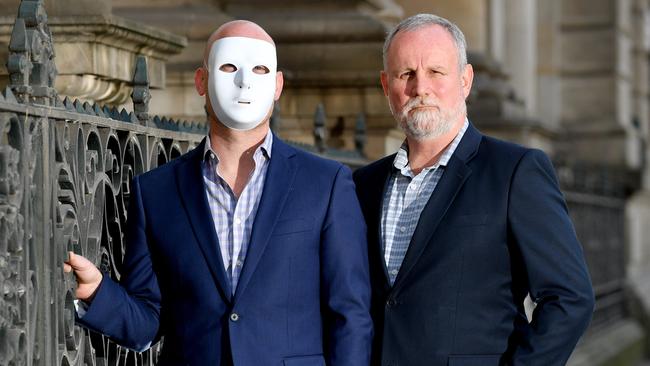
{"x": 424, "y": 20}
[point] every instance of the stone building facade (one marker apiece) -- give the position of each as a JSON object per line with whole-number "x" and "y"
{"x": 568, "y": 76}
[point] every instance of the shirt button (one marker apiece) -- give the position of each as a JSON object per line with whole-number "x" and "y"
{"x": 237, "y": 221}
{"x": 393, "y": 272}
{"x": 402, "y": 229}
{"x": 234, "y": 317}
{"x": 390, "y": 303}
{"x": 239, "y": 263}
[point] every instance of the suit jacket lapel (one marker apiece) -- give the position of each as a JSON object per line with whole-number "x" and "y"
{"x": 376, "y": 192}
{"x": 455, "y": 175}
{"x": 277, "y": 186}
{"x": 191, "y": 189}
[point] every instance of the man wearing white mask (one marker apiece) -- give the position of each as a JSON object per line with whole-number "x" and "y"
{"x": 244, "y": 251}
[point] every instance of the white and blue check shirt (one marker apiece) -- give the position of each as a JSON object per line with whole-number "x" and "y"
{"x": 233, "y": 217}
{"x": 405, "y": 198}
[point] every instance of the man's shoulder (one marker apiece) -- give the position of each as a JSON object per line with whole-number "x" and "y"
{"x": 508, "y": 157}
{"x": 506, "y": 150}
{"x": 311, "y": 163}
{"x": 165, "y": 171}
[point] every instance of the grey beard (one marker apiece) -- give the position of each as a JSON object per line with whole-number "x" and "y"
{"x": 429, "y": 123}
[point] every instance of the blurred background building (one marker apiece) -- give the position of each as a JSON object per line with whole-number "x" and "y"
{"x": 568, "y": 76}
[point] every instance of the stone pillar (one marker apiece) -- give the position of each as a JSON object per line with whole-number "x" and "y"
{"x": 597, "y": 81}
{"x": 638, "y": 207}
{"x": 497, "y": 30}
{"x": 549, "y": 97}
{"x": 520, "y": 56}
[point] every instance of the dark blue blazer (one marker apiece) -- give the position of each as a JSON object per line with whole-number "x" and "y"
{"x": 303, "y": 296}
{"x": 495, "y": 229}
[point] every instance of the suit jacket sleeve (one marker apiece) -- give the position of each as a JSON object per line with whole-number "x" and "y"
{"x": 541, "y": 230}
{"x": 129, "y": 314}
{"x": 344, "y": 277}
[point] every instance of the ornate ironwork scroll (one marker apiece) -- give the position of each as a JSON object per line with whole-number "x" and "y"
{"x": 65, "y": 168}
{"x": 18, "y": 267}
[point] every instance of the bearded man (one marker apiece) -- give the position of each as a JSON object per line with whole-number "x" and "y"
{"x": 244, "y": 251}
{"x": 462, "y": 227}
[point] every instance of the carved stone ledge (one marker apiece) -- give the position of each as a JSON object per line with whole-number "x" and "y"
{"x": 91, "y": 87}
{"x": 95, "y": 55}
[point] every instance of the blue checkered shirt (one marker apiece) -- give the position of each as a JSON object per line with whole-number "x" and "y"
{"x": 405, "y": 197}
{"x": 233, "y": 218}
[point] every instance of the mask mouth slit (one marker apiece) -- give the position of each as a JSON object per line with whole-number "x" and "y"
{"x": 243, "y": 102}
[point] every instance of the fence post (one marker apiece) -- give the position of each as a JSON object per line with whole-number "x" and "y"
{"x": 19, "y": 64}
{"x": 360, "y": 134}
{"x": 319, "y": 128}
{"x": 141, "y": 94}
{"x": 34, "y": 42}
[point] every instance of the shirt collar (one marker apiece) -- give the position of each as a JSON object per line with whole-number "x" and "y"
{"x": 401, "y": 161}
{"x": 264, "y": 148}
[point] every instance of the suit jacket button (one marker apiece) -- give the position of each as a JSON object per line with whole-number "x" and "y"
{"x": 234, "y": 317}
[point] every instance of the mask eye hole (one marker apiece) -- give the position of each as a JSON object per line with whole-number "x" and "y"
{"x": 228, "y": 68}
{"x": 261, "y": 69}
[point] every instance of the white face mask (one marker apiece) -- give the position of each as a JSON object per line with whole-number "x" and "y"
{"x": 242, "y": 81}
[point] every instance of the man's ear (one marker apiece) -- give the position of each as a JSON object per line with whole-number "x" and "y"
{"x": 466, "y": 78}
{"x": 201, "y": 81}
{"x": 279, "y": 83}
{"x": 383, "y": 77}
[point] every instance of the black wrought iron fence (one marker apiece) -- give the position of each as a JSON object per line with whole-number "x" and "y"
{"x": 596, "y": 198}
{"x": 65, "y": 168}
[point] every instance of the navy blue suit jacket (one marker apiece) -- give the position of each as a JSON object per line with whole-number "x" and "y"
{"x": 495, "y": 229}
{"x": 303, "y": 296}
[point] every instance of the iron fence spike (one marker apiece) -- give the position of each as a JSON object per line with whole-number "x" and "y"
{"x": 98, "y": 110}
{"x": 9, "y": 95}
{"x": 67, "y": 103}
{"x": 88, "y": 108}
{"x": 115, "y": 113}
{"x": 140, "y": 76}
{"x": 18, "y": 42}
{"x": 124, "y": 115}
{"x": 78, "y": 106}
